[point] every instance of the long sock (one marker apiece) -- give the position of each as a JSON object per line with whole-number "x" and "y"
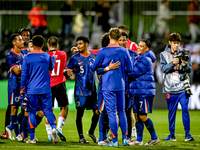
{"x": 79, "y": 126}
{"x": 95, "y": 119}
{"x": 50, "y": 117}
{"x": 24, "y": 126}
{"x": 32, "y": 134}
{"x": 140, "y": 128}
{"x": 101, "y": 126}
{"x": 7, "y": 116}
{"x": 38, "y": 119}
{"x": 123, "y": 124}
{"x": 150, "y": 127}
{"x": 32, "y": 124}
{"x": 15, "y": 124}
{"x": 133, "y": 132}
{"x": 20, "y": 116}
{"x": 113, "y": 126}
{"x": 49, "y": 130}
{"x": 61, "y": 122}
{"x": 128, "y": 115}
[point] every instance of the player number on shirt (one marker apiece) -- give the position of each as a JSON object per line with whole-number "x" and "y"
{"x": 141, "y": 104}
{"x": 81, "y": 69}
{"x": 58, "y": 69}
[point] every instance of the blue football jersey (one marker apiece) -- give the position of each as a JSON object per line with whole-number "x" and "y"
{"x": 85, "y": 77}
{"x": 35, "y": 72}
{"x": 25, "y": 51}
{"x": 14, "y": 59}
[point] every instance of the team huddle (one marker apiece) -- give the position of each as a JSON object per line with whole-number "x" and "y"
{"x": 123, "y": 69}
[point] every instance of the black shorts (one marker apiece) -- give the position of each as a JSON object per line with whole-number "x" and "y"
{"x": 60, "y": 93}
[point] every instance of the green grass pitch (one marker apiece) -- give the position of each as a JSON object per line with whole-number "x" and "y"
{"x": 159, "y": 118}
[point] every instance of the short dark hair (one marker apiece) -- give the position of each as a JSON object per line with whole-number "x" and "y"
{"x": 174, "y": 37}
{"x": 25, "y": 29}
{"x": 124, "y": 28}
{"x": 38, "y": 40}
{"x": 148, "y": 43}
{"x": 105, "y": 40}
{"x": 115, "y": 33}
{"x": 124, "y": 34}
{"x": 82, "y": 38}
{"x": 13, "y": 37}
{"x": 53, "y": 41}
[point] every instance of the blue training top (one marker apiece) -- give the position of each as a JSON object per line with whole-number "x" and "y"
{"x": 35, "y": 72}
{"x": 113, "y": 80}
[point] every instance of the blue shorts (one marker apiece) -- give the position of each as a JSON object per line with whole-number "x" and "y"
{"x": 39, "y": 102}
{"x": 13, "y": 98}
{"x": 13, "y": 92}
{"x": 128, "y": 102}
{"x": 143, "y": 104}
{"x": 88, "y": 102}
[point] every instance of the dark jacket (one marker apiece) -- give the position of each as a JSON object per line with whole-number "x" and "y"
{"x": 142, "y": 80}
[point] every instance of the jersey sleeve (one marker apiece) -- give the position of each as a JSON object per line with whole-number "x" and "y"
{"x": 100, "y": 71}
{"x": 97, "y": 61}
{"x": 73, "y": 64}
{"x": 11, "y": 62}
{"x": 24, "y": 75}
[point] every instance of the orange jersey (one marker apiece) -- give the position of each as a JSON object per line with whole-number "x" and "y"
{"x": 95, "y": 51}
{"x": 37, "y": 20}
{"x": 131, "y": 45}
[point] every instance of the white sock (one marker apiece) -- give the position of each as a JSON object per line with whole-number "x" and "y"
{"x": 133, "y": 133}
{"x": 49, "y": 130}
{"x": 61, "y": 122}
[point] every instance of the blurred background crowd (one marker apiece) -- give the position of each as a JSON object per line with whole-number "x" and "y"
{"x": 150, "y": 19}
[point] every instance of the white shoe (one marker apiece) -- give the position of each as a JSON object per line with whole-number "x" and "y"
{"x": 26, "y": 139}
{"x": 106, "y": 141}
{"x": 19, "y": 138}
{"x": 61, "y": 135}
{"x": 55, "y": 136}
{"x": 10, "y": 133}
{"x": 93, "y": 137}
{"x": 153, "y": 142}
{"x": 31, "y": 141}
{"x": 136, "y": 143}
{"x": 36, "y": 139}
